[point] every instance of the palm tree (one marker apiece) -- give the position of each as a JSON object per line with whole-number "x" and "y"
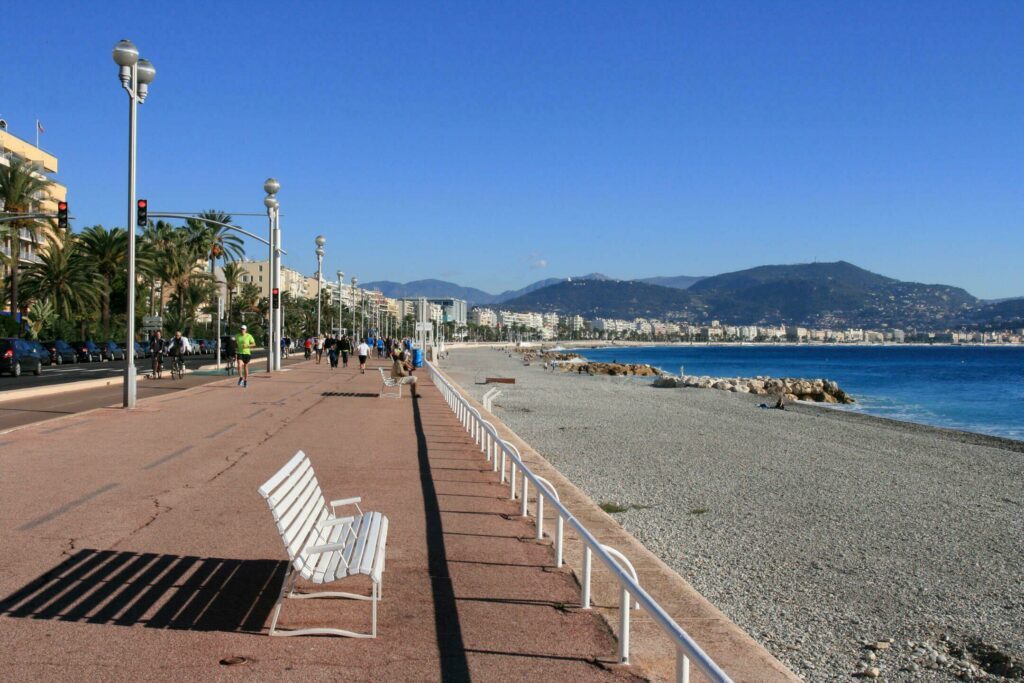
{"x": 232, "y": 282}
{"x": 21, "y": 188}
{"x": 64, "y": 277}
{"x": 108, "y": 251}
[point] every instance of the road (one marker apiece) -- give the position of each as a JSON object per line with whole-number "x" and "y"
{"x": 74, "y": 372}
{"x": 22, "y": 411}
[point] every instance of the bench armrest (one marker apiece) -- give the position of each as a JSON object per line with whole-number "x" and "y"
{"x": 326, "y": 548}
{"x": 334, "y": 521}
{"x": 348, "y": 501}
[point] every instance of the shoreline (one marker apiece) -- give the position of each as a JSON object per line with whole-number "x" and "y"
{"x": 814, "y": 529}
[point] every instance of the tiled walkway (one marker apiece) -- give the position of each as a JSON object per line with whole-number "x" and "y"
{"x": 134, "y": 545}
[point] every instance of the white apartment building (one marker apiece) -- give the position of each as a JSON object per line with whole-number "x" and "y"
{"x": 485, "y": 317}
{"x": 292, "y": 281}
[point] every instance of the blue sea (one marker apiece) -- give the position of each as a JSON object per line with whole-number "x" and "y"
{"x": 972, "y": 388}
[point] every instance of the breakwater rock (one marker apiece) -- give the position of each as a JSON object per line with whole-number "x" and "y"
{"x": 792, "y": 389}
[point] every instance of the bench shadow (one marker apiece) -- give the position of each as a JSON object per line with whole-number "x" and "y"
{"x": 350, "y": 394}
{"x": 152, "y": 591}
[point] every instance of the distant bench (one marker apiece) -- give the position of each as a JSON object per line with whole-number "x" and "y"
{"x": 500, "y": 380}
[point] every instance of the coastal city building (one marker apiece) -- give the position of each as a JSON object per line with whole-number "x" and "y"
{"x": 11, "y": 148}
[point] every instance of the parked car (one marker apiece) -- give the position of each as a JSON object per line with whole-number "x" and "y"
{"x": 140, "y": 352}
{"x": 147, "y": 348}
{"x": 17, "y": 355}
{"x": 112, "y": 351}
{"x": 88, "y": 351}
{"x": 60, "y": 352}
{"x": 40, "y": 350}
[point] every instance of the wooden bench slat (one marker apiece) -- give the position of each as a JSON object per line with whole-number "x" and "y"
{"x": 362, "y": 566}
{"x": 303, "y": 497}
{"x": 281, "y": 496}
{"x": 280, "y": 475}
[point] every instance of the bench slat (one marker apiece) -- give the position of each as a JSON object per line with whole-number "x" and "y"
{"x": 369, "y": 541}
{"x": 378, "y": 560}
{"x": 304, "y": 529}
{"x": 294, "y": 480}
{"x": 311, "y": 492}
{"x": 359, "y": 528}
{"x": 331, "y": 534}
{"x": 360, "y": 544}
{"x": 279, "y": 476}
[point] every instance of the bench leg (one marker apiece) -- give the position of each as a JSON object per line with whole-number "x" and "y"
{"x": 288, "y": 591}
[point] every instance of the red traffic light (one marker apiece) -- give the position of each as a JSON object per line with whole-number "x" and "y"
{"x": 276, "y": 291}
{"x": 143, "y": 203}
{"x": 62, "y": 206}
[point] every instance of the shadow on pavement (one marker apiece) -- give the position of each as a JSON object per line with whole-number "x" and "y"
{"x": 153, "y": 591}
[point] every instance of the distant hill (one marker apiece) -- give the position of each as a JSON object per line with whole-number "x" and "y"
{"x": 430, "y": 288}
{"x": 829, "y": 294}
{"x": 815, "y": 294}
{"x": 679, "y": 281}
{"x": 607, "y": 299}
{"x": 513, "y": 293}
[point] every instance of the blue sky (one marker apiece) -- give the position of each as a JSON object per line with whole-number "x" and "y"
{"x": 497, "y": 143}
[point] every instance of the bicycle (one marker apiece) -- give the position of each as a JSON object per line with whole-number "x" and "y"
{"x": 158, "y": 360}
{"x": 177, "y": 367}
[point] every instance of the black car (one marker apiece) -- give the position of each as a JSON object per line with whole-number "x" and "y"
{"x": 140, "y": 352}
{"x": 111, "y": 351}
{"x": 60, "y": 352}
{"x": 88, "y": 351}
{"x": 17, "y": 355}
{"x": 41, "y": 351}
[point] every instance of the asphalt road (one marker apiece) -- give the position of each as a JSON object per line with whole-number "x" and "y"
{"x": 74, "y": 372}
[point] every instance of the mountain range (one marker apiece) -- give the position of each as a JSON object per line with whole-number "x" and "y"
{"x": 834, "y": 295}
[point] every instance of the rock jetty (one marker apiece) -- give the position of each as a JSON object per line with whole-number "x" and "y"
{"x": 572, "y": 362}
{"x": 792, "y": 389}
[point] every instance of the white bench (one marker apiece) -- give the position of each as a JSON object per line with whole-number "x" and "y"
{"x": 323, "y": 547}
{"x": 389, "y": 382}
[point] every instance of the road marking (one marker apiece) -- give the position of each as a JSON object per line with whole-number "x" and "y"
{"x": 169, "y": 456}
{"x": 221, "y": 431}
{"x": 66, "y": 508}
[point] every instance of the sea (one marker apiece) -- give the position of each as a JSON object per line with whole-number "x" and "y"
{"x": 971, "y": 388}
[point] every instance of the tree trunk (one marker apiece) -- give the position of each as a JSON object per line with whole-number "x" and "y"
{"x": 231, "y": 298}
{"x": 15, "y": 256}
{"x": 105, "y": 309}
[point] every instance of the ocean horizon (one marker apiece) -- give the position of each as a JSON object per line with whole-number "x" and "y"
{"x": 969, "y": 388}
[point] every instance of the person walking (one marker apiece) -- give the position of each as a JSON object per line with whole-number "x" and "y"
{"x": 332, "y": 352}
{"x": 319, "y": 348}
{"x": 346, "y": 349}
{"x": 244, "y": 344}
{"x": 157, "y": 347}
{"x": 364, "y": 352}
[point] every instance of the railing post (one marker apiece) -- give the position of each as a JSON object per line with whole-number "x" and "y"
{"x": 587, "y": 553}
{"x": 503, "y": 466}
{"x": 624, "y": 606}
{"x": 682, "y": 666}
{"x": 511, "y": 478}
{"x": 540, "y": 513}
{"x": 559, "y": 534}
{"x": 526, "y": 495}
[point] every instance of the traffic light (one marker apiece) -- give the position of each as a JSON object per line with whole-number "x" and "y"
{"x": 143, "y": 220}
{"x": 276, "y": 297}
{"x": 62, "y": 215}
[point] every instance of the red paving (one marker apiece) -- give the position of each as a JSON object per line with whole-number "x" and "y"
{"x": 135, "y": 545}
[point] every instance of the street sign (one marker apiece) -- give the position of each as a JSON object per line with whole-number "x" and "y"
{"x": 424, "y": 327}
{"x": 152, "y": 323}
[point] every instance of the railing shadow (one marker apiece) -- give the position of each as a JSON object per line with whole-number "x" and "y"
{"x": 153, "y": 591}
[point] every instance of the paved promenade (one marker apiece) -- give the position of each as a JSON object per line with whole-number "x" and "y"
{"x": 135, "y": 546}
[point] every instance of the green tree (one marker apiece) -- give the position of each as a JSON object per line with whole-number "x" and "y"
{"x": 21, "y": 189}
{"x": 232, "y": 282}
{"x": 65, "y": 278}
{"x": 108, "y": 251}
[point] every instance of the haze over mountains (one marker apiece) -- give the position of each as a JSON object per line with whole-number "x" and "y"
{"x": 833, "y": 295}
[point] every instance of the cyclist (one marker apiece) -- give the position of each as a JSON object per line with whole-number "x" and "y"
{"x": 245, "y": 344}
{"x": 158, "y": 345}
{"x": 176, "y": 350}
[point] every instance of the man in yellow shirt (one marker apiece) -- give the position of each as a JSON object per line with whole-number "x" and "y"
{"x": 244, "y": 344}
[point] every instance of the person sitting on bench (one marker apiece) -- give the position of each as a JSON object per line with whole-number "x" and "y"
{"x": 401, "y": 370}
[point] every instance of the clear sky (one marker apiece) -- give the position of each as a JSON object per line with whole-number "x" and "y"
{"x": 497, "y": 143}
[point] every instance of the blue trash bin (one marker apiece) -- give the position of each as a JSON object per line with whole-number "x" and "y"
{"x": 417, "y": 357}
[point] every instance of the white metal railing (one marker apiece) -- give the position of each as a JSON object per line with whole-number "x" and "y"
{"x": 486, "y": 437}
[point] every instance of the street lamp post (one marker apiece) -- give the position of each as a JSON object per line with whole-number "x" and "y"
{"x": 355, "y": 281}
{"x": 341, "y": 280}
{"x": 272, "y": 187}
{"x": 136, "y": 75}
{"x": 320, "y": 242}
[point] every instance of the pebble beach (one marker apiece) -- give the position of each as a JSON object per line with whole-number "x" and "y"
{"x": 850, "y": 546}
